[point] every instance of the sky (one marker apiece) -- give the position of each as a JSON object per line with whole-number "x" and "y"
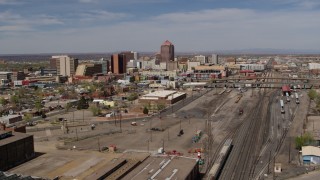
{"x": 83, "y": 26}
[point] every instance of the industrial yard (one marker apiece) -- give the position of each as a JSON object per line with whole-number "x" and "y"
{"x": 243, "y": 126}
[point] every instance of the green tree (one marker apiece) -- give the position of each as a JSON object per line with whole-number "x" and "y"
{"x": 131, "y": 79}
{"x": 68, "y": 107}
{"x": 312, "y": 94}
{"x": 27, "y": 117}
{"x": 160, "y": 106}
{"x": 132, "y": 96}
{"x": 145, "y": 110}
{"x": 3, "y": 101}
{"x": 304, "y": 140}
{"x": 82, "y": 104}
{"x": 61, "y": 90}
{"x": 95, "y": 110}
{"x": 38, "y": 105}
{"x": 14, "y": 99}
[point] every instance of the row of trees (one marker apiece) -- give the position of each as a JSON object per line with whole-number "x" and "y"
{"x": 313, "y": 95}
{"x": 307, "y": 139}
{"x": 157, "y": 107}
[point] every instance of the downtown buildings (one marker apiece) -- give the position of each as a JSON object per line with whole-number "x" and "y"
{"x": 65, "y": 65}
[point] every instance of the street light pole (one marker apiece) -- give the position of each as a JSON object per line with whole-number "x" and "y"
{"x": 73, "y": 116}
{"x": 150, "y": 129}
{"x": 82, "y": 115}
{"x": 120, "y": 121}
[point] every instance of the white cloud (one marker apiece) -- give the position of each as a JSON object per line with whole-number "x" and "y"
{"x": 10, "y": 2}
{"x": 88, "y": 1}
{"x": 17, "y": 20}
{"x": 206, "y": 15}
{"x": 101, "y": 15}
{"x": 11, "y": 28}
{"x": 300, "y": 4}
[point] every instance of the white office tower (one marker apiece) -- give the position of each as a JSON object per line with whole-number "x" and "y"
{"x": 202, "y": 59}
{"x": 214, "y": 59}
{"x": 66, "y": 66}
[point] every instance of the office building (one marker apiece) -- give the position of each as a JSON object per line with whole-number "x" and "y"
{"x": 130, "y": 55}
{"x": 105, "y": 65}
{"x": 167, "y": 51}
{"x": 118, "y": 64}
{"x": 202, "y": 59}
{"x": 6, "y": 75}
{"x": 214, "y": 59}
{"x": 53, "y": 63}
{"x": 88, "y": 69}
{"x": 66, "y": 66}
{"x": 18, "y": 75}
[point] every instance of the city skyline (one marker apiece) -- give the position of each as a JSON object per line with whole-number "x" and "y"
{"x": 81, "y": 26}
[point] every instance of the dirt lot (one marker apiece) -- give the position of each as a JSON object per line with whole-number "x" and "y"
{"x": 191, "y": 118}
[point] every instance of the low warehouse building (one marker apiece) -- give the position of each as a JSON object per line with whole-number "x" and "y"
{"x": 311, "y": 155}
{"x": 15, "y": 148}
{"x": 165, "y": 97}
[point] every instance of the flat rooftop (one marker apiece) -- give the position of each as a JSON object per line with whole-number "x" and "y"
{"x": 195, "y": 84}
{"x": 162, "y": 167}
{"x": 15, "y": 137}
{"x": 164, "y": 93}
{"x": 73, "y": 164}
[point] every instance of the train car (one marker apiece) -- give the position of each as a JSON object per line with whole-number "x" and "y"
{"x": 288, "y": 97}
{"x": 218, "y": 165}
{"x": 297, "y": 98}
{"x": 282, "y": 106}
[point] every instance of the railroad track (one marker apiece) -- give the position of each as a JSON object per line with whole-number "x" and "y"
{"x": 248, "y": 142}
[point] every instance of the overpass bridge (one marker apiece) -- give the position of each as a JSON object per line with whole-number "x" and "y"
{"x": 265, "y": 82}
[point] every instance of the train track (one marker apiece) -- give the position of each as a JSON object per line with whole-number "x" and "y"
{"x": 247, "y": 143}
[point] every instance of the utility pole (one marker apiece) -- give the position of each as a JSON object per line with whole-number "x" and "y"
{"x": 148, "y": 144}
{"x": 82, "y": 115}
{"x": 77, "y": 133}
{"x": 289, "y": 150}
{"x": 269, "y": 163}
{"x": 150, "y": 129}
{"x": 99, "y": 144}
{"x": 73, "y": 116}
{"x": 274, "y": 165}
{"x": 120, "y": 118}
{"x": 163, "y": 145}
{"x": 251, "y": 91}
{"x": 115, "y": 118}
{"x": 168, "y": 133}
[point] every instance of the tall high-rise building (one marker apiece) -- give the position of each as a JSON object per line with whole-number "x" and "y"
{"x": 105, "y": 65}
{"x": 118, "y": 64}
{"x": 167, "y": 51}
{"x": 214, "y": 59}
{"x": 53, "y": 63}
{"x": 66, "y": 66}
{"x": 130, "y": 55}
